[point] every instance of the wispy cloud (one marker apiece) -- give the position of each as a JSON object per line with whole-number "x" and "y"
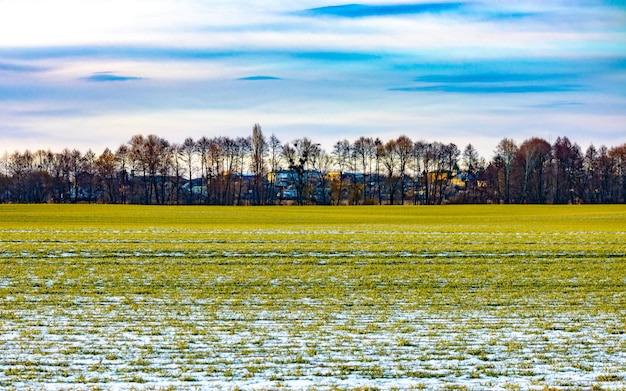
{"x": 367, "y": 10}
{"x": 103, "y": 77}
{"x": 183, "y": 54}
{"x": 19, "y": 68}
{"x": 470, "y": 10}
{"x": 493, "y": 77}
{"x": 492, "y": 89}
{"x": 259, "y": 78}
{"x": 557, "y": 104}
{"x": 497, "y": 81}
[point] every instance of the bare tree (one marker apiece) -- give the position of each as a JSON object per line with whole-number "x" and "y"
{"x": 440, "y": 179}
{"x": 471, "y": 162}
{"x": 39, "y": 182}
{"x": 342, "y": 151}
{"x": 298, "y": 157}
{"x": 229, "y": 150}
{"x": 139, "y": 168}
{"x": 89, "y": 174}
{"x": 259, "y": 151}
{"x": 533, "y": 155}
{"x": 216, "y": 164}
{"x": 188, "y": 154}
{"x": 448, "y": 156}
{"x": 419, "y": 150}
{"x": 244, "y": 147}
{"x": 429, "y": 155}
{"x": 390, "y": 159}
{"x": 156, "y": 155}
{"x": 122, "y": 157}
{"x": 404, "y": 147}
{"x": 568, "y": 166}
{"x": 203, "y": 145}
{"x": 74, "y": 165}
{"x": 275, "y": 151}
{"x": 618, "y": 156}
{"x": 177, "y": 167}
{"x": 506, "y": 151}
{"x": 380, "y": 152}
{"x": 106, "y": 168}
{"x": 20, "y": 167}
{"x": 321, "y": 163}
{"x": 598, "y": 173}
{"x": 5, "y": 178}
{"x": 365, "y": 150}
{"x": 166, "y": 168}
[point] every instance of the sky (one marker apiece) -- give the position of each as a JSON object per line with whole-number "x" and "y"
{"x": 91, "y": 74}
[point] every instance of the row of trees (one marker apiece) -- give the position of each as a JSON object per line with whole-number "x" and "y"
{"x": 258, "y": 170}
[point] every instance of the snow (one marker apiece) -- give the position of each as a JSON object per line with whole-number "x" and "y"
{"x": 298, "y": 350}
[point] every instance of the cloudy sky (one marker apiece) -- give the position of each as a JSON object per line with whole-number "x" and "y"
{"x": 90, "y": 74}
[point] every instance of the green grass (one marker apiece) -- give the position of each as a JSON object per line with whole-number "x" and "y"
{"x": 523, "y": 296}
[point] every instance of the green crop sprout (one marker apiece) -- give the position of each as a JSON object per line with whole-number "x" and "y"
{"x": 317, "y": 298}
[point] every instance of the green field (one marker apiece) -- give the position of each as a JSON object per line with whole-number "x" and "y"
{"x": 99, "y": 297}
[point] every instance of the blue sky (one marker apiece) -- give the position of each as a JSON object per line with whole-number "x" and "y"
{"x": 92, "y": 74}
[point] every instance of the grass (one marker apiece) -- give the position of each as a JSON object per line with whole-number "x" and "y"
{"x": 522, "y": 297}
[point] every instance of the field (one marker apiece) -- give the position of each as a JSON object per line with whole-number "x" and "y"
{"x": 96, "y": 297}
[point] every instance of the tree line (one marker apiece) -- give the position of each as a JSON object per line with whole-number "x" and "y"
{"x": 260, "y": 170}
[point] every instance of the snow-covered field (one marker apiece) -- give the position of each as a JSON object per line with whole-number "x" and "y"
{"x": 324, "y": 308}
